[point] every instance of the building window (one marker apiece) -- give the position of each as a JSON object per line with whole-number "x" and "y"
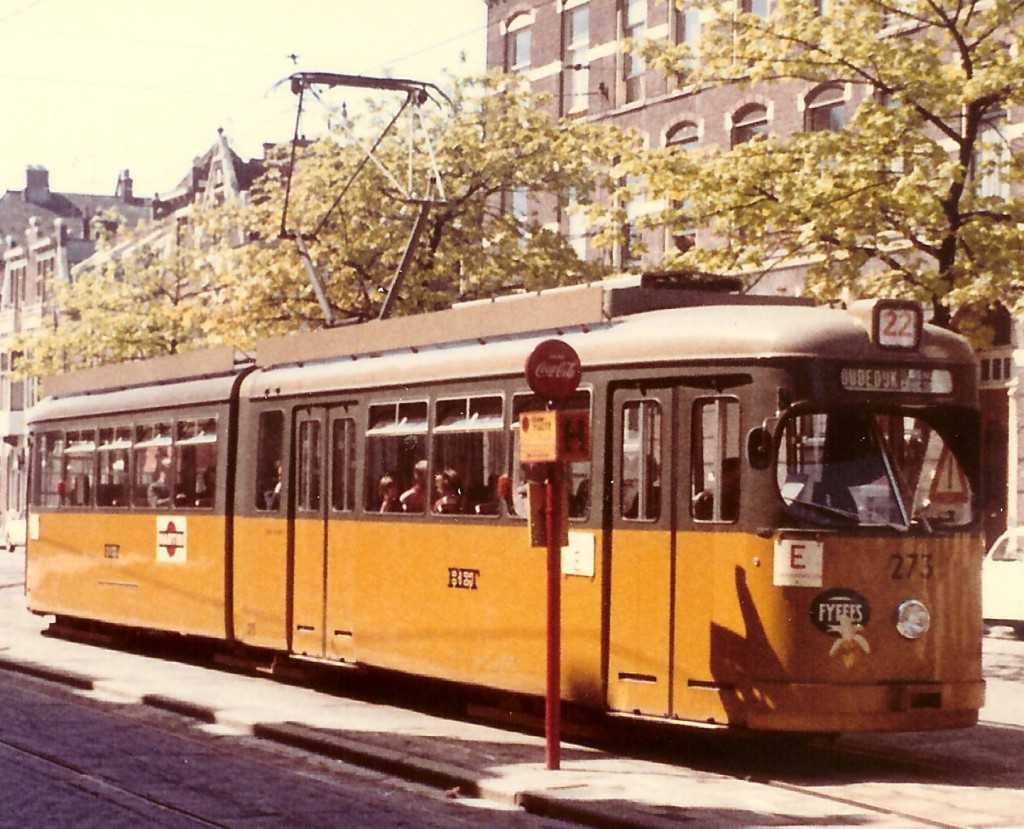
{"x": 898, "y": 15}
{"x": 576, "y": 72}
{"x": 575, "y": 226}
{"x": 634, "y": 28}
{"x": 682, "y": 234}
{"x": 991, "y": 155}
{"x": 758, "y": 8}
{"x": 518, "y": 204}
{"x": 637, "y": 204}
{"x": 518, "y": 43}
{"x": 747, "y": 124}
{"x": 685, "y": 30}
{"x": 826, "y": 110}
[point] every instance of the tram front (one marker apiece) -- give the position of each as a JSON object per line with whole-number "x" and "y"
{"x": 874, "y": 616}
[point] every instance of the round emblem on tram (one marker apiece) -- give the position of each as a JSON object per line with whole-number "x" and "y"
{"x": 553, "y": 370}
{"x": 831, "y": 609}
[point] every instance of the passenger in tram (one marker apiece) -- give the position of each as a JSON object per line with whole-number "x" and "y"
{"x": 272, "y": 496}
{"x": 387, "y": 494}
{"x": 414, "y": 499}
{"x": 728, "y": 491}
{"x": 204, "y": 488}
{"x": 158, "y": 493}
{"x": 448, "y": 487}
{"x": 501, "y": 492}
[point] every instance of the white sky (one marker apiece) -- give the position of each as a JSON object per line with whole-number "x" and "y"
{"x": 91, "y": 87}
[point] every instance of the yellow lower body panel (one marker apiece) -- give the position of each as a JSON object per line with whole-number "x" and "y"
{"x": 849, "y": 708}
{"x": 164, "y": 572}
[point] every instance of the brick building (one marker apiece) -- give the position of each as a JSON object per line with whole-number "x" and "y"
{"x": 44, "y": 235}
{"x": 574, "y": 50}
{"x": 51, "y": 237}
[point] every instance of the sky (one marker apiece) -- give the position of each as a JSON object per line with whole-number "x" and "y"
{"x": 89, "y": 88}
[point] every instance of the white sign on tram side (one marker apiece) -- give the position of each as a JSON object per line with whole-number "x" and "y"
{"x": 799, "y": 562}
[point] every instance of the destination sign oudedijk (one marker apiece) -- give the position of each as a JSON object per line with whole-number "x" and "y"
{"x": 897, "y": 379}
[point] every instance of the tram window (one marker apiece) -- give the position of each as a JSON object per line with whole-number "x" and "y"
{"x": 343, "y": 465}
{"x": 640, "y": 462}
{"x": 152, "y": 471}
{"x": 49, "y": 464}
{"x": 715, "y": 460}
{"x": 310, "y": 466}
{"x": 269, "y": 456}
{"x": 396, "y": 451}
{"x": 850, "y": 468}
{"x": 76, "y": 481}
{"x": 195, "y": 463}
{"x": 112, "y": 480}
{"x": 469, "y": 456}
{"x": 578, "y": 474}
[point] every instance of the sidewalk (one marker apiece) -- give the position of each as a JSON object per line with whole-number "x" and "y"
{"x": 592, "y": 787}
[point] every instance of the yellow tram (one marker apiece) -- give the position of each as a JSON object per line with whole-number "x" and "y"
{"x": 776, "y": 530}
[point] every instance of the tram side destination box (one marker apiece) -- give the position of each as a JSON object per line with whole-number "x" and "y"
{"x": 550, "y": 436}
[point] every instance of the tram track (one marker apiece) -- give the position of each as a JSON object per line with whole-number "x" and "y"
{"x": 872, "y": 807}
{"x": 902, "y": 777}
{"x": 919, "y": 782}
{"x": 822, "y": 770}
{"x": 122, "y": 796}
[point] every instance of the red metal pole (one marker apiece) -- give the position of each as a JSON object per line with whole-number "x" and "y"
{"x": 553, "y": 700}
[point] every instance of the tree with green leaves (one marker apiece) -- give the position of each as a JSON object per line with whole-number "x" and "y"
{"x": 237, "y": 278}
{"x": 494, "y": 144}
{"x": 916, "y": 194}
{"x": 140, "y": 299}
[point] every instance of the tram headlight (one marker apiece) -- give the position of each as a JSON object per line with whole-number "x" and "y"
{"x": 913, "y": 619}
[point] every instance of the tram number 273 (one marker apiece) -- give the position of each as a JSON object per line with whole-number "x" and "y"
{"x": 911, "y": 566}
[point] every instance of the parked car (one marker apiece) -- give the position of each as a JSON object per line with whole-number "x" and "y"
{"x": 1002, "y": 582}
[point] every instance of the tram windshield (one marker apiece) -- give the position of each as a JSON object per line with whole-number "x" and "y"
{"x": 855, "y": 468}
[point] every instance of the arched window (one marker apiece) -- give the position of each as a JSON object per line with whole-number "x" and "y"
{"x": 747, "y": 124}
{"x": 826, "y": 110}
{"x": 519, "y": 42}
{"x": 684, "y": 135}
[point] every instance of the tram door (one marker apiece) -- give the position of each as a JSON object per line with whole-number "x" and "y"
{"x": 322, "y": 565}
{"x": 675, "y": 451}
{"x": 643, "y": 478}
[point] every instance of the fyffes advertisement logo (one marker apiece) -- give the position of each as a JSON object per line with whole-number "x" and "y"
{"x": 843, "y": 613}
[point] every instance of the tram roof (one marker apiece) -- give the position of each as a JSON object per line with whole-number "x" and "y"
{"x": 634, "y": 321}
{"x": 695, "y": 333}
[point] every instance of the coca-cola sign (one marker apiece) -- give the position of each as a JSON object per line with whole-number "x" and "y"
{"x": 553, "y": 370}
